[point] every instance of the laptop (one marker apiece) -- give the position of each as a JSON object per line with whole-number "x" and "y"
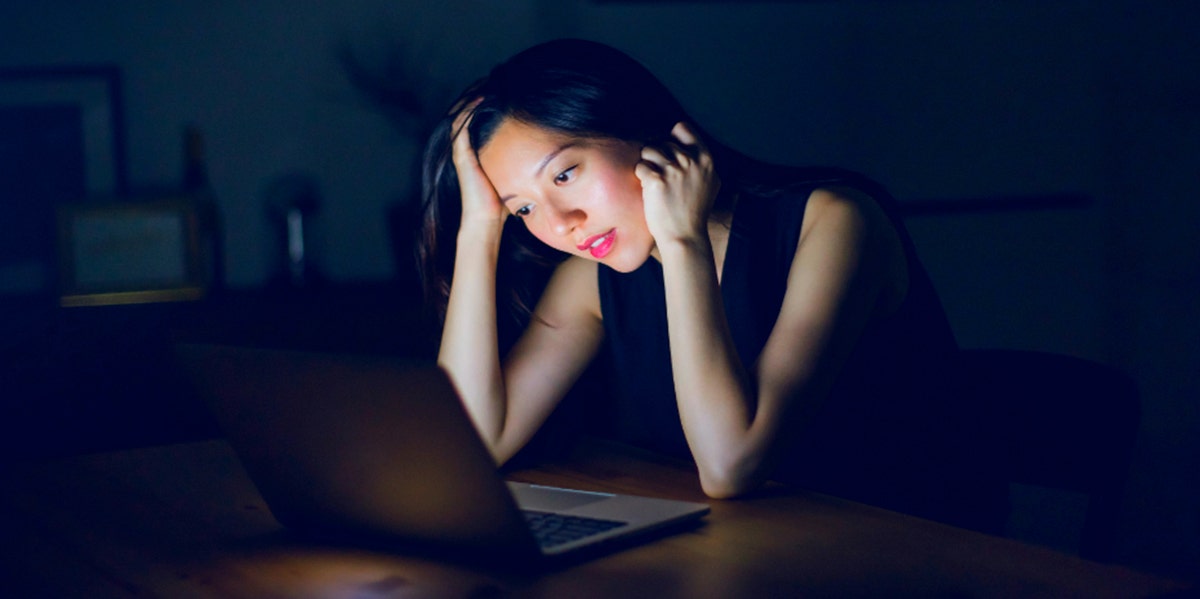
{"x": 379, "y": 449}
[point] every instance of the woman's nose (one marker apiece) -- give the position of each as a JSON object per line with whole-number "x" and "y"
{"x": 565, "y": 221}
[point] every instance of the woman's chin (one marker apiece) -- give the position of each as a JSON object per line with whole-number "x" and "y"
{"x": 625, "y": 264}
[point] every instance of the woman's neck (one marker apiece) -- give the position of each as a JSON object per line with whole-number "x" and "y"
{"x": 719, "y": 226}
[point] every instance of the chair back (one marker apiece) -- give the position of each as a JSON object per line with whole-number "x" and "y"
{"x": 1059, "y": 422}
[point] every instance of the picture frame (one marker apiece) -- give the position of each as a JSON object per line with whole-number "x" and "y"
{"x": 61, "y": 141}
{"x": 140, "y": 251}
{"x": 96, "y": 91}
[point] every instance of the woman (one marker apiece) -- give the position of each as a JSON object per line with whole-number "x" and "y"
{"x": 769, "y": 322}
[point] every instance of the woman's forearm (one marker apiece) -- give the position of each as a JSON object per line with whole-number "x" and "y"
{"x": 711, "y": 385}
{"x": 716, "y": 408}
{"x": 469, "y": 350}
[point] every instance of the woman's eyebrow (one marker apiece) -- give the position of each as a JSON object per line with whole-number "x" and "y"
{"x": 542, "y": 165}
{"x": 559, "y": 150}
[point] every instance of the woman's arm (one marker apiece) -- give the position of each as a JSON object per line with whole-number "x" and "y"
{"x": 735, "y": 416}
{"x": 835, "y": 286}
{"x": 507, "y": 404}
{"x": 469, "y": 350}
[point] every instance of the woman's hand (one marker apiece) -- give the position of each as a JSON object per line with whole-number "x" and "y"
{"x": 679, "y": 185}
{"x": 480, "y": 202}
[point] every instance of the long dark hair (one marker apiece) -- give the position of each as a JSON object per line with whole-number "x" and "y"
{"x": 580, "y": 88}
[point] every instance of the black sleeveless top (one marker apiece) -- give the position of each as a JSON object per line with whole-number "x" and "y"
{"x": 887, "y": 432}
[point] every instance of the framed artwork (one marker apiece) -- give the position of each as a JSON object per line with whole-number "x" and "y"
{"x": 61, "y": 141}
{"x": 132, "y": 252}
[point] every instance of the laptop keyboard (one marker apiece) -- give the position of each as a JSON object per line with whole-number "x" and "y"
{"x": 555, "y": 529}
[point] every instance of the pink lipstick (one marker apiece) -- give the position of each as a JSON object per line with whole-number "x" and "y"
{"x": 599, "y": 245}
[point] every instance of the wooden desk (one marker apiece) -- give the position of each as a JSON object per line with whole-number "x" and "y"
{"x": 184, "y": 521}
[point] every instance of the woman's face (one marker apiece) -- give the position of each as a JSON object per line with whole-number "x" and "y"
{"x": 579, "y": 196}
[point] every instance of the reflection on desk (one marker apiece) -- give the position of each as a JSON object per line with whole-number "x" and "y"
{"x": 185, "y": 521}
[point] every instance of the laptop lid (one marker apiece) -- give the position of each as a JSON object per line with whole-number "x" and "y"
{"x": 374, "y": 448}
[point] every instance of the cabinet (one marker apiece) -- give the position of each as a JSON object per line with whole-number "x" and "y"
{"x": 104, "y": 377}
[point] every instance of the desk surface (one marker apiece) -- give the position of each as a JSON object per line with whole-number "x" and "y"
{"x": 184, "y": 521}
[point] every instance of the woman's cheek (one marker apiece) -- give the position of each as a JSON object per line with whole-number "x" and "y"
{"x": 553, "y": 241}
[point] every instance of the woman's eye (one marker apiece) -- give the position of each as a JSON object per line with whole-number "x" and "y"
{"x": 523, "y": 211}
{"x": 565, "y": 175}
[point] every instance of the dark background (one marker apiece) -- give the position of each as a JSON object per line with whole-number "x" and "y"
{"x": 987, "y": 108}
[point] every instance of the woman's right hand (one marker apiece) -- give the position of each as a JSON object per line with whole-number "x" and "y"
{"x": 480, "y": 203}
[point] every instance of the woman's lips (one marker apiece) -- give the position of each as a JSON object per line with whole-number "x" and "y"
{"x": 599, "y": 245}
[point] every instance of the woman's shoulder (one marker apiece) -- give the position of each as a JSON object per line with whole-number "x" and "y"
{"x": 572, "y": 290}
{"x": 849, "y": 209}
{"x": 780, "y": 194}
{"x": 575, "y": 270}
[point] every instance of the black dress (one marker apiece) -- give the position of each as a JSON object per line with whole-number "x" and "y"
{"x": 890, "y": 433}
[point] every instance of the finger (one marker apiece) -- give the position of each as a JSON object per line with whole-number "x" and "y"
{"x": 657, "y": 156}
{"x": 463, "y": 119}
{"x": 462, "y": 102}
{"x": 465, "y": 108}
{"x": 670, "y": 154}
{"x": 462, "y": 153}
{"x": 648, "y": 173}
{"x": 688, "y": 138}
{"x": 684, "y": 134}
{"x": 672, "y": 150}
{"x": 653, "y": 166}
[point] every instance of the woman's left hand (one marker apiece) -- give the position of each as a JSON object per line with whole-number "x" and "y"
{"x": 679, "y": 185}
